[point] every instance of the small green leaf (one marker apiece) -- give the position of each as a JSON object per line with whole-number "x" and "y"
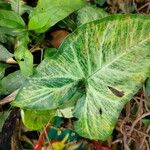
{"x": 2, "y": 72}
{"x": 90, "y": 13}
{"x": 23, "y": 56}
{"x": 8, "y": 35}
{"x": 10, "y": 19}
{"x": 36, "y": 120}
{"x": 146, "y": 122}
{"x": 19, "y": 6}
{"x": 4, "y": 5}
{"x": 26, "y": 61}
{"x": 12, "y": 82}
{"x": 49, "y": 12}
{"x": 4, "y": 53}
{"x": 100, "y": 2}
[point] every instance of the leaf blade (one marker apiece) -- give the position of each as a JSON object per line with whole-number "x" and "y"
{"x": 23, "y": 56}
{"x": 4, "y": 54}
{"x": 10, "y": 19}
{"x": 36, "y": 120}
{"x": 50, "y": 12}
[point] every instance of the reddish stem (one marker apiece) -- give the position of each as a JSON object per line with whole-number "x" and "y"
{"x": 41, "y": 139}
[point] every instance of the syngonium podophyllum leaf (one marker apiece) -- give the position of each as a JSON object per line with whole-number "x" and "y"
{"x": 4, "y": 53}
{"x": 23, "y": 56}
{"x": 105, "y": 61}
{"x": 100, "y": 2}
{"x": 4, "y": 5}
{"x": 90, "y": 13}
{"x": 36, "y": 120}
{"x": 19, "y": 6}
{"x": 11, "y": 24}
{"x": 49, "y": 12}
{"x": 12, "y": 20}
{"x": 2, "y": 72}
{"x": 7, "y": 35}
{"x": 12, "y": 82}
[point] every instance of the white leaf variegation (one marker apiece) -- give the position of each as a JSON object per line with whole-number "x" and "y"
{"x": 97, "y": 70}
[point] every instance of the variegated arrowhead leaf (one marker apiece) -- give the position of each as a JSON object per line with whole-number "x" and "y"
{"x": 105, "y": 62}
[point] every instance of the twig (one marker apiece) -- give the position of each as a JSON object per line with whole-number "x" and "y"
{"x": 117, "y": 141}
{"x": 140, "y": 132}
{"x": 144, "y": 138}
{"x": 125, "y": 143}
{"x": 147, "y": 145}
{"x": 35, "y": 48}
{"x": 137, "y": 120}
{"x": 148, "y": 3}
{"x": 145, "y": 100}
{"x": 148, "y": 9}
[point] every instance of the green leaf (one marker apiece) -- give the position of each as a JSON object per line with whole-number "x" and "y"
{"x": 7, "y": 35}
{"x": 4, "y": 5}
{"x": 2, "y": 70}
{"x": 4, "y": 53}
{"x": 90, "y": 13}
{"x": 105, "y": 62}
{"x": 10, "y": 19}
{"x": 9, "y": 32}
{"x": 100, "y": 2}
{"x": 19, "y": 6}
{"x": 12, "y": 82}
{"x": 49, "y": 12}
{"x": 49, "y": 52}
{"x": 146, "y": 121}
{"x": 23, "y": 56}
{"x": 36, "y": 120}
{"x": 11, "y": 25}
{"x": 3, "y": 117}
